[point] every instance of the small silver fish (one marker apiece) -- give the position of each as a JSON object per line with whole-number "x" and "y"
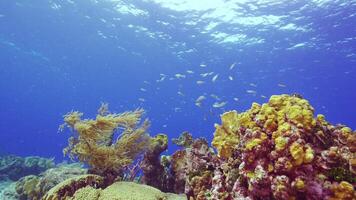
{"x": 180, "y": 93}
{"x": 253, "y": 85}
{"x": 219, "y": 105}
{"x": 179, "y": 76}
{"x": 190, "y": 72}
{"x": 204, "y": 74}
{"x": 215, "y": 78}
{"x": 232, "y": 66}
{"x": 199, "y": 100}
{"x": 161, "y": 79}
{"x": 251, "y": 91}
{"x": 215, "y": 96}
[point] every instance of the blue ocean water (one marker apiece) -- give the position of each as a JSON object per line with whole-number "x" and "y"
{"x": 163, "y": 55}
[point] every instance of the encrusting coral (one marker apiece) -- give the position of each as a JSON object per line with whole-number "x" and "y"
{"x": 284, "y": 152}
{"x": 97, "y": 145}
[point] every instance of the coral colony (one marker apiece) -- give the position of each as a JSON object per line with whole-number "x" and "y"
{"x": 277, "y": 150}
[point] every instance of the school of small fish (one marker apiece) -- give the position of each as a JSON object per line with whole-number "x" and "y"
{"x": 202, "y": 80}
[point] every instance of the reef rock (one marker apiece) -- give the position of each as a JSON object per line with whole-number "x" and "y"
{"x": 8, "y": 191}
{"x": 155, "y": 169}
{"x": 34, "y": 187}
{"x": 192, "y": 166}
{"x": 14, "y": 167}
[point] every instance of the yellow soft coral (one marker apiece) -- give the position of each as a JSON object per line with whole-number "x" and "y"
{"x": 268, "y": 116}
{"x": 300, "y": 155}
{"x": 255, "y": 141}
{"x": 299, "y": 184}
{"x": 309, "y": 154}
{"x": 293, "y": 110}
{"x": 321, "y": 119}
{"x": 279, "y": 117}
{"x": 297, "y": 152}
{"x": 281, "y": 142}
{"x": 343, "y": 191}
{"x": 96, "y": 145}
{"x": 225, "y": 136}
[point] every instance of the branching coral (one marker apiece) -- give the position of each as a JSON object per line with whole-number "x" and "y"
{"x": 95, "y": 142}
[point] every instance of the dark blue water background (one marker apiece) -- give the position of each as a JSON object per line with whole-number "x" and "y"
{"x": 57, "y": 56}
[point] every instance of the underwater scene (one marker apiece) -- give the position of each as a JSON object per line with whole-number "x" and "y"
{"x": 178, "y": 99}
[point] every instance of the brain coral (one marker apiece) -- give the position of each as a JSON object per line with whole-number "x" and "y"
{"x": 283, "y": 152}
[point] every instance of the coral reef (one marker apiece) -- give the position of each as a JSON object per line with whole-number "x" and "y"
{"x": 14, "y": 167}
{"x": 279, "y": 150}
{"x": 96, "y": 144}
{"x": 34, "y": 187}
